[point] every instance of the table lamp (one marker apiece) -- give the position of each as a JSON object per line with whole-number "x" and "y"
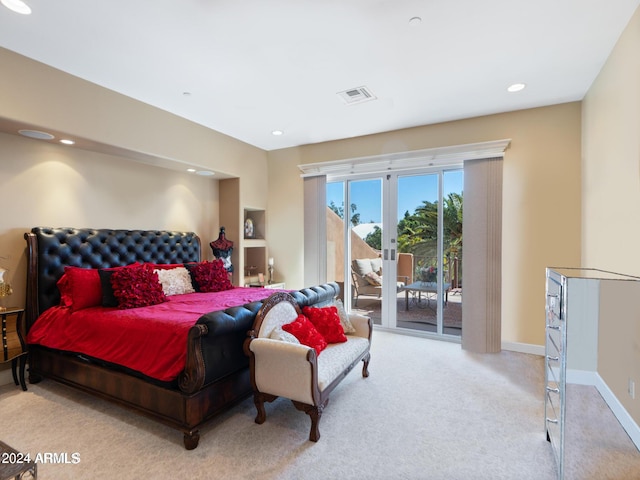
{"x": 270, "y": 270}
{"x": 5, "y": 288}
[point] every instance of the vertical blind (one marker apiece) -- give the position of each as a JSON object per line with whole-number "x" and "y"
{"x": 482, "y": 259}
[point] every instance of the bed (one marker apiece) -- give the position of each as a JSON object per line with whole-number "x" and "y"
{"x": 200, "y": 370}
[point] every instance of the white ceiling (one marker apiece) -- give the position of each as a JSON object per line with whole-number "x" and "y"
{"x": 254, "y": 66}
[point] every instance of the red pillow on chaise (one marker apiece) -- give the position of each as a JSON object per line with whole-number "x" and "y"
{"x": 327, "y": 322}
{"x": 306, "y": 333}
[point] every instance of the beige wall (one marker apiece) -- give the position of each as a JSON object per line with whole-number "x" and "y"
{"x": 611, "y": 160}
{"x": 611, "y": 199}
{"x": 53, "y": 185}
{"x": 541, "y": 198}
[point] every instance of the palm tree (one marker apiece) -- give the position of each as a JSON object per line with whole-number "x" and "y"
{"x": 418, "y": 232}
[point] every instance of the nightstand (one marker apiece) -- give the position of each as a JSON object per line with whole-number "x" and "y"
{"x": 277, "y": 286}
{"x": 13, "y": 345}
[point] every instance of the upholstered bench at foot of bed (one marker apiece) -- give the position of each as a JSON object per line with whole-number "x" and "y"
{"x": 282, "y": 369}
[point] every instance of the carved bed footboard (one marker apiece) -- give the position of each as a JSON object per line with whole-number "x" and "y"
{"x": 192, "y": 377}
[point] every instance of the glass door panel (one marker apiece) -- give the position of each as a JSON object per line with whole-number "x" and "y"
{"x": 365, "y": 230}
{"x": 429, "y": 240}
{"x": 418, "y": 306}
{"x": 452, "y": 202}
{"x": 354, "y": 237}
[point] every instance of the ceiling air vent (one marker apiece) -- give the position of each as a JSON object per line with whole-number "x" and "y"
{"x": 356, "y": 95}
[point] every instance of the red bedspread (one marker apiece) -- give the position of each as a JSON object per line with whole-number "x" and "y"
{"x": 151, "y": 340}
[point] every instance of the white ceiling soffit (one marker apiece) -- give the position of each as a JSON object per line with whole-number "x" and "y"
{"x": 416, "y": 159}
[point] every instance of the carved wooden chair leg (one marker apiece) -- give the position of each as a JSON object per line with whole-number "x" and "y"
{"x": 314, "y": 412}
{"x": 191, "y": 439}
{"x": 258, "y": 400}
{"x": 365, "y": 365}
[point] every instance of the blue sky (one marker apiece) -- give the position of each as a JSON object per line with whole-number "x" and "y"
{"x": 412, "y": 191}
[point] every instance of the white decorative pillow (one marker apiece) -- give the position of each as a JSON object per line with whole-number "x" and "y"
{"x": 175, "y": 281}
{"x": 362, "y": 266}
{"x": 279, "y": 334}
{"x": 376, "y": 265}
{"x": 344, "y": 318}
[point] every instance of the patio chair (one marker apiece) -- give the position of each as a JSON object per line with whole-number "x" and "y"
{"x": 366, "y": 274}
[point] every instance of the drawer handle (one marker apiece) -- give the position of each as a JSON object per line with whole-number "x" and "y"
{"x": 555, "y": 359}
{"x": 554, "y": 327}
{"x": 554, "y": 390}
{"x": 553, "y": 295}
{"x": 552, "y": 420}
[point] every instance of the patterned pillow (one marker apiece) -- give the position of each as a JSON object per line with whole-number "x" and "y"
{"x": 209, "y": 276}
{"x": 279, "y": 334}
{"x": 175, "y": 281}
{"x": 306, "y": 333}
{"x": 137, "y": 287}
{"x": 347, "y": 326}
{"x": 327, "y": 322}
{"x": 108, "y": 298}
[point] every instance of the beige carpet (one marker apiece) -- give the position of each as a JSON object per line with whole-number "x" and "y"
{"x": 429, "y": 410}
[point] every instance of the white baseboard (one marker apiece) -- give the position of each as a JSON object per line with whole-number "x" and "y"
{"x": 523, "y": 348}
{"x": 627, "y": 422}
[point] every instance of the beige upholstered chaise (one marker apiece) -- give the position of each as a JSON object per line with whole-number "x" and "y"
{"x": 292, "y": 370}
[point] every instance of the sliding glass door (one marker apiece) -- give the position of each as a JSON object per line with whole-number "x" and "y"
{"x": 397, "y": 248}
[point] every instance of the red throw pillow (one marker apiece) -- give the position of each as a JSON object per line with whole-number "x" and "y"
{"x": 209, "y": 276}
{"x": 80, "y": 288}
{"x": 306, "y": 333}
{"x": 327, "y": 322}
{"x": 137, "y": 287}
{"x": 108, "y": 298}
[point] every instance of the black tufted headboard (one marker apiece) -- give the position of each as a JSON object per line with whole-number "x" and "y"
{"x": 49, "y": 250}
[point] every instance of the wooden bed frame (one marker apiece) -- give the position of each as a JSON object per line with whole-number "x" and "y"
{"x": 184, "y": 408}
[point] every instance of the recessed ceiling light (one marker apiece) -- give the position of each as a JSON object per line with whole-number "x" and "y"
{"x": 66, "y": 141}
{"x": 191, "y": 170}
{"x": 516, "y": 87}
{"x": 205, "y": 173}
{"x": 36, "y": 134}
{"x": 17, "y": 6}
{"x": 414, "y": 21}
{"x": 277, "y": 132}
